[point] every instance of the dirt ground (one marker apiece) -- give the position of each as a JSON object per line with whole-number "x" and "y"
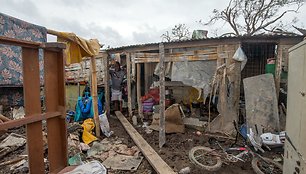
{"x": 175, "y": 152}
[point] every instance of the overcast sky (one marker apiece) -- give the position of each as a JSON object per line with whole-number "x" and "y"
{"x": 119, "y": 22}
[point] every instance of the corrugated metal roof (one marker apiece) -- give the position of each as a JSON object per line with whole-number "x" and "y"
{"x": 258, "y": 36}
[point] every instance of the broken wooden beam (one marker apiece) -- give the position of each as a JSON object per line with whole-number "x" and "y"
{"x": 159, "y": 165}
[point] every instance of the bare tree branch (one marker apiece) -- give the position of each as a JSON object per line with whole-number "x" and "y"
{"x": 255, "y": 15}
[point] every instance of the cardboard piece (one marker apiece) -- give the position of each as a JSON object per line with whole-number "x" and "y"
{"x": 174, "y": 122}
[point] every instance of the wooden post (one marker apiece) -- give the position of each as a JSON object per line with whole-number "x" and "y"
{"x": 106, "y": 85}
{"x": 278, "y": 69}
{"x": 31, "y": 83}
{"x": 138, "y": 81}
{"x": 236, "y": 90}
{"x": 94, "y": 94}
{"x": 128, "y": 73}
{"x": 55, "y": 101}
{"x": 162, "y": 133}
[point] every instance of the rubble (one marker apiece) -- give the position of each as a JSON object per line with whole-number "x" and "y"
{"x": 122, "y": 162}
{"x": 11, "y": 143}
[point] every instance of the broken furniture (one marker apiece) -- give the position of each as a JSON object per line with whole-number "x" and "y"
{"x": 55, "y": 104}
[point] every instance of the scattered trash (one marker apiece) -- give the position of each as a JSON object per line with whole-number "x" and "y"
{"x": 18, "y": 113}
{"x": 98, "y": 148}
{"x": 185, "y": 170}
{"x": 20, "y": 165}
{"x": 148, "y": 130}
{"x": 273, "y": 140}
{"x": 11, "y": 143}
{"x": 88, "y": 125}
{"x": 104, "y": 124}
{"x": 122, "y": 162}
{"x": 134, "y": 119}
{"x": 13, "y": 161}
{"x": 257, "y": 145}
{"x": 195, "y": 123}
{"x": 279, "y": 159}
{"x": 75, "y": 160}
{"x": 84, "y": 147}
{"x": 198, "y": 133}
{"x": 89, "y": 168}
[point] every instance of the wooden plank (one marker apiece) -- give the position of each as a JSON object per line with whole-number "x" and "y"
{"x": 261, "y": 103}
{"x": 178, "y": 59}
{"x": 55, "y": 102}
{"x": 159, "y": 165}
{"x": 94, "y": 94}
{"x": 106, "y": 84}
{"x": 128, "y": 69}
{"x": 162, "y": 133}
{"x": 278, "y": 69}
{"x": 18, "y": 42}
{"x": 138, "y": 81}
{"x": 31, "y": 82}
{"x": 28, "y": 119}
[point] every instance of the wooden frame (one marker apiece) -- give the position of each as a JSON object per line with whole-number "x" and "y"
{"x": 55, "y": 104}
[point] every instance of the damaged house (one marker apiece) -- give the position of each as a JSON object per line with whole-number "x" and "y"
{"x": 193, "y": 63}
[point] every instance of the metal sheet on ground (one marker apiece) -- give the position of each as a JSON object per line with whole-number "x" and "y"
{"x": 261, "y": 103}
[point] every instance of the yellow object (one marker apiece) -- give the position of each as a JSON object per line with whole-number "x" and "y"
{"x": 194, "y": 95}
{"x": 88, "y": 126}
{"x": 77, "y": 47}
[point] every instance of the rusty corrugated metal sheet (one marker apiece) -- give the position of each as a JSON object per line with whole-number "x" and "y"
{"x": 258, "y": 36}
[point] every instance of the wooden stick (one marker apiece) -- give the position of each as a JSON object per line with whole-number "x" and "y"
{"x": 162, "y": 133}
{"x": 94, "y": 94}
{"x": 106, "y": 83}
{"x": 128, "y": 73}
{"x": 138, "y": 81}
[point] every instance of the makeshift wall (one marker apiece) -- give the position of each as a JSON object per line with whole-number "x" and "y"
{"x": 72, "y": 94}
{"x": 78, "y": 72}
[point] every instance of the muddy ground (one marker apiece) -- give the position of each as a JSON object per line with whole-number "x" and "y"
{"x": 174, "y": 153}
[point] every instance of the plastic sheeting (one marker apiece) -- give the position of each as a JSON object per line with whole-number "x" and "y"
{"x": 197, "y": 74}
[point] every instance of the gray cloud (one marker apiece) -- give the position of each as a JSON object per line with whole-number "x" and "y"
{"x": 118, "y": 22}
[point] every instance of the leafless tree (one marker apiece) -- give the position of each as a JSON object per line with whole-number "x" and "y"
{"x": 248, "y": 17}
{"x": 179, "y": 32}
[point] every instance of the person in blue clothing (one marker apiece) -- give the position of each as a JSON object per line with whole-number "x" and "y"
{"x": 117, "y": 76}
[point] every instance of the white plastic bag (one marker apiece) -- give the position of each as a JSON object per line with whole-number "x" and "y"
{"x": 241, "y": 57}
{"x": 104, "y": 125}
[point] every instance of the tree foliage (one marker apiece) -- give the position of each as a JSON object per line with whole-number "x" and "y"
{"x": 179, "y": 32}
{"x": 248, "y": 17}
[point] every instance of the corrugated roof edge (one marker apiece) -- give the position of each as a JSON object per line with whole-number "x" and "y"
{"x": 272, "y": 36}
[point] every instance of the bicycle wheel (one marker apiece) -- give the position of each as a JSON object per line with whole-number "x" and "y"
{"x": 264, "y": 165}
{"x": 205, "y": 158}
